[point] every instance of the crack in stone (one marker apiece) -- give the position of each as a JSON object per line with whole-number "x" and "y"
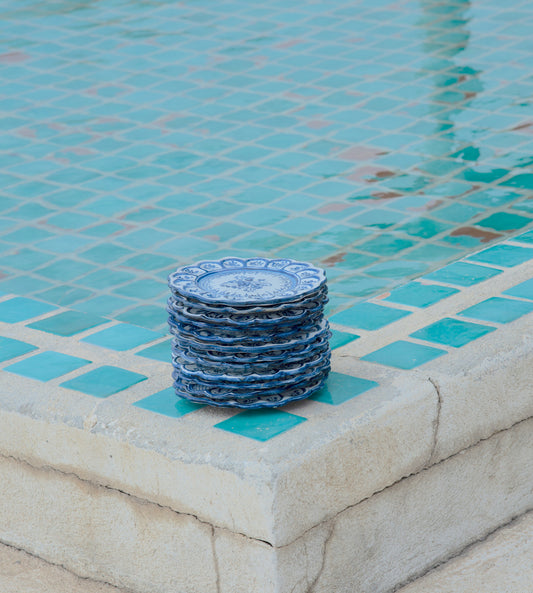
{"x": 458, "y": 553}
{"x": 215, "y": 558}
{"x": 331, "y": 529}
{"x": 436, "y": 423}
{"x": 120, "y": 589}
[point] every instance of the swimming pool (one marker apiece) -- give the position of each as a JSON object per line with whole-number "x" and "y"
{"x": 379, "y": 140}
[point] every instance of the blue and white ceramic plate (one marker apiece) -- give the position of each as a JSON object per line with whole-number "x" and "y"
{"x": 204, "y": 339}
{"x": 255, "y": 399}
{"x": 320, "y": 296}
{"x": 222, "y": 375}
{"x": 244, "y": 356}
{"x": 247, "y": 281}
{"x": 184, "y": 314}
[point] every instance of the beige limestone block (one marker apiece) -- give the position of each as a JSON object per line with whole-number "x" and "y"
{"x": 104, "y": 534}
{"x": 22, "y": 573}
{"x": 421, "y": 521}
{"x": 484, "y": 387}
{"x": 503, "y": 563}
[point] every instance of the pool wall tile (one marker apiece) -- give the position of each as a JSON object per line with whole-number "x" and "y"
{"x": 404, "y": 355}
{"x": 452, "y": 332}
{"x": 368, "y": 316}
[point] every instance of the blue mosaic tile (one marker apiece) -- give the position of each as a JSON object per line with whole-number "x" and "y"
{"x": 122, "y": 337}
{"x": 503, "y": 255}
{"x": 339, "y": 338}
{"x": 524, "y": 290}
{"x": 452, "y": 332}
{"x": 525, "y": 238}
{"x": 417, "y": 294}
{"x": 104, "y": 381}
{"x": 368, "y": 316}
{"x": 10, "y": 348}
{"x": 462, "y": 274}
{"x": 498, "y": 310}
{"x": 47, "y": 365}
{"x": 21, "y": 308}
{"x": 166, "y": 402}
{"x": 340, "y": 388}
{"x": 404, "y": 355}
{"x": 159, "y": 351}
{"x": 68, "y": 323}
{"x": 260, "y": 425}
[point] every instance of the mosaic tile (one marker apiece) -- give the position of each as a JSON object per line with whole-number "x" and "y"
{"x": 260, "y": 425}
{"x": 462, "y": 274}
{"x": 104, "y": 381}
{"x": 504, "y": 221}
{"x": 503, "y": 255}
{"x": 417, "y": 294}
{"x": 523, "y": 290}
{"x": 166, "y": 402}
{"x": 525, "y": 238}
{"x": 21, "y": 308}
{"x": 10, "y": 348}
{"x": 452, "y": 332}
{"x": 122, "y": 337}
{"x": 404, "y": 355}
{"x": 498, "y": 310}
{"x": 339, "y": 338}
{"x": 47, "y": 365}
{"x": 368, "y": 316}
{"x": 149, "y": 316}
{"x": 68, "y": 323}
{"x": 340, "y": 388}
{"x": 161, "y": 351}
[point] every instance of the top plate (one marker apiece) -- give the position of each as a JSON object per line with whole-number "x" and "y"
{"x": 257, "y": 280}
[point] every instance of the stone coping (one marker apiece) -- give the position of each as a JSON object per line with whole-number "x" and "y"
{"x": 372, "y": 426}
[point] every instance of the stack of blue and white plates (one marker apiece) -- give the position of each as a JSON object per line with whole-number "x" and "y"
{"x": 248, "y": 333}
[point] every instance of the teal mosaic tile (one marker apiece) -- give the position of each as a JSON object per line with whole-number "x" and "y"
{"x": 104, "y": 381}
{"x": 103, "y": 305}
{"x": 260, "y": 425}
{"x": 504, "y": 221}
{"x": 498, "y": 310}
{"x": 10, "y": 348}
{"x": 525, "y": 238}
{"x": 506, "y": 256}
{"x": 64, "y": 295}
{"x": 166, "y": 402}
{"x": 462, "y": 274}
{"x": 368, "y": 316}
{"x": 47, "y": 365}
{"x": 404, "y": 355}
{"x": 68, "y": 323}
{"x": 417, "y": 294}
{"x": 340, "y": 388}
{"x": 149, "y": 316}
{"x": 21, "y": 308}
{"x": 161, "y": 351}
{"x": 524, "y": 290}
{"x": 339, "y": 338}
{"x": 122, "y": 337}
{"x": 452, "y": 332}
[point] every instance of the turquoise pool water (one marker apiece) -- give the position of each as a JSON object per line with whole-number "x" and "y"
{"x": 377, "y": 139}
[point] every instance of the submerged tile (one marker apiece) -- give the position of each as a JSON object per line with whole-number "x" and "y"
{"x": 498, "y": 310}
{"x": 417, "y": 294}
{"x": 452, "y": 332}
{"x": 462, "y": 274}
{"x": 504, "y": 255}
{"x": 262, "y": 424}
{"x": 340, "y": 388}
{"x": 104, "y": 381}
{"x": 166, "y": 402}
{"x": 122, "y": 337}
{"x": 404, "y": 355}
{"x": 47, "y": 365}
{"x": 368, "y": 316}
{"x": 68, "y": 323}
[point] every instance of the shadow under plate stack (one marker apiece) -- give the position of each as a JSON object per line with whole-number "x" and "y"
{"x": 248, "y": 333}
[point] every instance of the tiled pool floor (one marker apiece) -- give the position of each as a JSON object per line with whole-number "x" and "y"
{"x": 378, "y": 139}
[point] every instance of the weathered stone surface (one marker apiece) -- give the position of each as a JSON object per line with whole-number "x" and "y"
{"x": 502, "y": 563}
